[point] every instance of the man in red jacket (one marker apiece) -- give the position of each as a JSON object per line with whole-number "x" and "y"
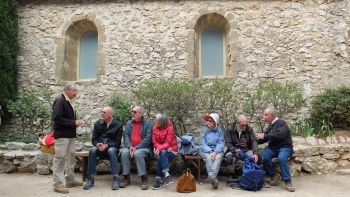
{"x": 64, "y": 126}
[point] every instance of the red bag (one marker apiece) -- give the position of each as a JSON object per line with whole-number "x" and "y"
{"x": 47, "y": 140}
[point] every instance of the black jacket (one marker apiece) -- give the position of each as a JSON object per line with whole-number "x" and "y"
{"x": 111, "y": 135}
{"x": 233, "y": 141}
{"x": 278, "y": 135}
{"x": 63, "y": 117}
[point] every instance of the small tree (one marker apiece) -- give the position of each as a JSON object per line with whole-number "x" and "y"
{"x": 285, "y": 98}
{"x": 33, "y": 109}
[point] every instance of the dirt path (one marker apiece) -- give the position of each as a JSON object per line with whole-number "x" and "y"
{"x": 13, "y": 185}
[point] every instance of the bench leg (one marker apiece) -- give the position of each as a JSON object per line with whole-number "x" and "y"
{"x": 199, "y": 170}
{"x": 84, "y": 166}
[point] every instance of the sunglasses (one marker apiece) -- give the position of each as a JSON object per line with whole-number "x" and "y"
{"x": 243, "y": 125}
{"x": 133, "y": 111}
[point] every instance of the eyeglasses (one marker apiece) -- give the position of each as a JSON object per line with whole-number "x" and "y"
{"x": 243, "y": 125}
{"x": 134, "y": 111}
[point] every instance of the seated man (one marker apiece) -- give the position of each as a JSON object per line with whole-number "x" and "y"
{"x": 240, "y": 137}
{"x": 279, "y": 145}
{"x": 138, "y": 145}
{"x": 212, "y": 147}
{"x": 106, "y": 140}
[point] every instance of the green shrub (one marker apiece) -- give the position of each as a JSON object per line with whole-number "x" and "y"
{"x": 33, "y": 110}
{"x": 121, "y": 107}
{"x": 332, "y": 106}
{"x": 8, "y": 53}
{"x": 309, "y": 128}
{"x": 285, "y": 98}
{"x": 178, "y": 98}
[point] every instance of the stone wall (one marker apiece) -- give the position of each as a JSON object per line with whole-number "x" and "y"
{"x": 302, "y": 41}
{"x": 312, "y": 156}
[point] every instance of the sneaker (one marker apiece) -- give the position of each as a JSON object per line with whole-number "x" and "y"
{"x": 61, "y": 189}
{"x": 168, "y": 180}
{"x": 157, "y": 185}
{"x": 289, "y": 186}
{"x": 89, "y": 183}
{"x": 144, "y": 182}
{"x": 115, "y": 183}
{"x": 275, "y": 179}
{"x": 125, "y": 182}
{"x": 75, "y": 183}
{"x": 215, "y": 184}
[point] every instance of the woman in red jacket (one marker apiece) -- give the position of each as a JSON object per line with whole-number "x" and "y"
{"x": 164, "y": 147}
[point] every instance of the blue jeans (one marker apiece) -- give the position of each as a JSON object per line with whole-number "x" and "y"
{"x": 111, "y": 153}
{"x": 282, "y": 154}
{"x": 163, "y": 162}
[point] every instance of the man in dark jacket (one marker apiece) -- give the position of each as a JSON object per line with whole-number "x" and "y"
{"x": 106, "y": 140}
{"x": 64, "y": 127}
{"x": 279, "y": 145}
{"x": 137, "y": 145}
{"x": 240, "y": 137}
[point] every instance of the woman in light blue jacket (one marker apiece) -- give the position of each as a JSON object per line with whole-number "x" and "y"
{"x": 212, "y": 147}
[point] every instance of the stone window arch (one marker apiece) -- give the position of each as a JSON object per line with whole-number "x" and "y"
{"x": 81, "y": 42}
{"x": 210, "y": 45}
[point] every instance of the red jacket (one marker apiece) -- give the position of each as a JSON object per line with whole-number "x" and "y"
{"x": 164, "y": 138}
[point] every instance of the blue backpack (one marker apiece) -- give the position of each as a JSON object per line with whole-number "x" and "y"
{"x": 253, "y": 176}
{"x": 187, "y": 145}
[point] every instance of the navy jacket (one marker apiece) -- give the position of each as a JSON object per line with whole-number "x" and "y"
{"x": 278, "y": 135}
{"x": 63, "y": 117}
{"x": 111, "y": 135}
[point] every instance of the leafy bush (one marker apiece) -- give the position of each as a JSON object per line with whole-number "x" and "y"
{"x": 121, "y": 107}
{"x": 8, "y": 53}
{"x": 33, "y": 110}
{"x": 309, "y": 128}
{"x": 332, "y": 106}
{"x": 178, "y": 98}
{"x": 220, "y": 96}
{"x": 285, "y": 98}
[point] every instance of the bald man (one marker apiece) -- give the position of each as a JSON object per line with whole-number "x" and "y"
{"x": 280, "y": 145}
{"x": 240, "y": 137}
{"x": 106, "y": 140}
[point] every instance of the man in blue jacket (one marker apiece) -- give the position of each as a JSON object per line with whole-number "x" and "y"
{"x": 279, "y": 145}
{"x": 137, "y": 145}
{"x": 212, "y": 147}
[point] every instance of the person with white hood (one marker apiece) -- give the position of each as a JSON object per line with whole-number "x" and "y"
{"x": 212, "y": 147}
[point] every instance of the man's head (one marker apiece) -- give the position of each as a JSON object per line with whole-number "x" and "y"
{"x": 269, "y": 115}
{"x": 107, "y": 114}
{"x": 242, "y": 122}
{"x": 70, "y": 90}
{"x": 137, "y": 113}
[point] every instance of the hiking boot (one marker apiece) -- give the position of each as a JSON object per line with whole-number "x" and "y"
{"x": 157, "y": 185}
{"x": 115, "y": 183}
{"x": 289, "y": 186}
{"x": 144, "y": 182}
{"x": 61, "y": 189}
{"x": 215, "y": 184}
{"x": 168, "y": 180}
{"x": 89, "y": 183}
{"x": 75, "y": 183}
{"x": 275, "y": 179}
{"x": 125, "y": 182}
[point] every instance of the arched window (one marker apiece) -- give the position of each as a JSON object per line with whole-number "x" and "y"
{"x": 88, "y": 56}
{"x": 212, "y": 52}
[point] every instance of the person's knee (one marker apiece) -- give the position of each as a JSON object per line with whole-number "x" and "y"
{"x": 112, "y": 151}
{"x": 93, "y": 150}
{"x": 163, "y": 153}
{"x": 125, "y": 153}
{"x": 138, "y": 154}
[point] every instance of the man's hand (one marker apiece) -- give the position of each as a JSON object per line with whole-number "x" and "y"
{"x": 259, "y": 136}
{"x": 132, "y": 151}
{"x": 79, "y": 122}
{"x": 104, "y": 147}
{"x": 256, "y": 158}
{"x": 156, "y": 151}
{"x": 99, "y": 146}
{"x": 213, "y": 155}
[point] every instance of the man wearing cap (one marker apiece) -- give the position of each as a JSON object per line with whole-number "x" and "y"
{"x": 240, "y": 137}
{"x": 212, "y": 147}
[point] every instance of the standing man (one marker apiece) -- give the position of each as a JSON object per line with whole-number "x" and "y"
{"x": 240, "y": 137}
{"x": 64, "y": 126}
{"x": 137, "y": 145}
{"x": 106, "y": 140}
{"x": 279, "y": 145}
